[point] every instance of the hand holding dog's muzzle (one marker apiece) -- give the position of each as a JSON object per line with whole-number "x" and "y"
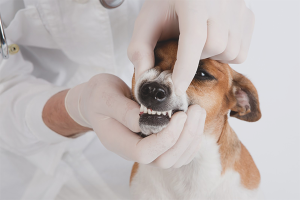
{"x": 104, "y": 105}
{"x": 103, "y": 97}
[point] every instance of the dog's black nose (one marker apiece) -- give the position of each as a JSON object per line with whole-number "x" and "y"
{"x": 153, "y": 94}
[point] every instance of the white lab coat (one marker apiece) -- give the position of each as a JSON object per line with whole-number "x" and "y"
{"x": 62, "y": 44}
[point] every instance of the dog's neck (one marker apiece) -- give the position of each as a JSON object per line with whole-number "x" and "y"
{"x": 226, "y": 139}
{"x": 232, "y": 153}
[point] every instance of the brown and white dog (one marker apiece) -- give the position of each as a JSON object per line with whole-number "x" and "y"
{"x": 223, "y": 168}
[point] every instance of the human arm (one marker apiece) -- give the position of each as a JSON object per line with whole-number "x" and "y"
{"x": 57, "y": 118}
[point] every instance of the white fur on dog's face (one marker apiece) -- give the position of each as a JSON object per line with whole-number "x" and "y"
{"x": 174, "y": 102}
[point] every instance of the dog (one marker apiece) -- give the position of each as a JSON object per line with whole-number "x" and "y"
{"x": 223, "y": 167}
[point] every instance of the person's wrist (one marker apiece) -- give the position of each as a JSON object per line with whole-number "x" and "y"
{"x": 72, "y": 102}
{"x": 56, "y": 117}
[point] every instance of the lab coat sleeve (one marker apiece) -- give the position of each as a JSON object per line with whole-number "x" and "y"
{"x": 22, "y": 98}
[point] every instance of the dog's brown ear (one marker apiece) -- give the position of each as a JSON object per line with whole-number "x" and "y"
{"x": 246, "y": 106}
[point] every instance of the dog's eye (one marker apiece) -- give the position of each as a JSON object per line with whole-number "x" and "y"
{"x": 203, "y": 75}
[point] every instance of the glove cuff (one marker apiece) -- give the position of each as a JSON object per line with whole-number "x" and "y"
{"x": 72, "y": 105}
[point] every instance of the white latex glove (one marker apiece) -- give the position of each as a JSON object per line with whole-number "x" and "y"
{"x": 216, "y": 29}
{"x": 104, "y": 105}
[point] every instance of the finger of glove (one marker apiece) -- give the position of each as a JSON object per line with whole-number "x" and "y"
{"x": 234, "y": 34}
{"x": 151, "y": 147}
{"x": 147, "y": 30}
{"x": 192, "y": 155}
{"x": 246, "y": 38}
{"x": 197, "y": 147}
{"x": 217, "y": 38}
{"x": 193, "y": 149}
{"x": 116, "y": 137}
{"x": 191, "y": 42}
{"x": 111, "y": 97}
{"x": 170, "y": 157}
{"x": 232, "y": 48}
{"x": 236, "y": 19}
{"x": 122, "y": 109}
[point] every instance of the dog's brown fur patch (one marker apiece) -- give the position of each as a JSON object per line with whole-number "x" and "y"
{"x": 230, "y": 147}
{"x": 245, "y": 166}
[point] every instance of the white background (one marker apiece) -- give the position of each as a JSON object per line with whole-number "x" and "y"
{"x": 273, "y": 66}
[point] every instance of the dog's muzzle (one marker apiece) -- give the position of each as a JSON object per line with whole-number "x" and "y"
{"x": 155, "y": 93}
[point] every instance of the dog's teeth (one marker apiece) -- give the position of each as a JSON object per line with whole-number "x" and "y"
{"x": 158, "y": 113}
{"x": 164, "y": 113}
{"x": 149, "y": 112}
{"x": 142, "y": 108}
{"x": 170, "y": 113}
{"x": 153, "y": 112}
{"x": 145, "y": 109}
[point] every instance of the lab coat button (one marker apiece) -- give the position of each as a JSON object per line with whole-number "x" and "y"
{"x": 81, "y": 1}
{"x": 13, "y": 49}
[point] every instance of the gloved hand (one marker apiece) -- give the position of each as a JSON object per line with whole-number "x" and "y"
{"x": 104, "y": 104}
{"x": 215, "y": 29}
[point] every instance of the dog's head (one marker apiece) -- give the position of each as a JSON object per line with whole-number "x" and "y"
{"x": 216, "y": 87}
